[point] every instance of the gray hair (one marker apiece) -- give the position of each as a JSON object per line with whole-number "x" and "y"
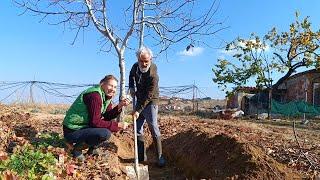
{"x": 143, "y": 50}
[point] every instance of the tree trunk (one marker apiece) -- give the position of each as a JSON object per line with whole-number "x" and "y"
{"x": 122, "y": 92}
{"x": 269, "y": 103}
{"x": 281, "y": 80}
{"x": 122, "y": 76}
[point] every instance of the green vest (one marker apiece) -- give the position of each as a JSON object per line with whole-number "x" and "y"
{"x": 77, "y": 117}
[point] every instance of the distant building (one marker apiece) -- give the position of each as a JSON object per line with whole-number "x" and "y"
{"x": 236, "y": 99}
{"x": 303, "y": 86}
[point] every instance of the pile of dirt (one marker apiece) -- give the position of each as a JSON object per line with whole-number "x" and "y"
{"x": 204, "y": 155}
{"x": 264, "y": 151}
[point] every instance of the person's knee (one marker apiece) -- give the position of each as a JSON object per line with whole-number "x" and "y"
{"x": 104, "y": 134}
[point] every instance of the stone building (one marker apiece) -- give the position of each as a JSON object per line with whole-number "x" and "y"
{"x": 236, "y": 99}
{"x": 303, "y": 86}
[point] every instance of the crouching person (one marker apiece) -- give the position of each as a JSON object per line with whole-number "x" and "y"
{"x": 88, "y": 121}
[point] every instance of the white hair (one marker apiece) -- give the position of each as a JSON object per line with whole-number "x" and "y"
{"x": 143, "y": 50}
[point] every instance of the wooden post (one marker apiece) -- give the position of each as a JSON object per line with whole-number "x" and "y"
{"x": 270, "y": 103}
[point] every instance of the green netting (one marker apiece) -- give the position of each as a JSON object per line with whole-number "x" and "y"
{"x": 295, "y": 108}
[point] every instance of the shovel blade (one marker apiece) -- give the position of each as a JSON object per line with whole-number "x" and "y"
{"x": 143, "y": 172}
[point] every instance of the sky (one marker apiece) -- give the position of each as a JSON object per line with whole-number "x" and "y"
{"x": 33, "y": 50}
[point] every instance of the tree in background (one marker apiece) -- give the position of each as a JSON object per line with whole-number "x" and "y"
{"x": 249, "y": 60}
{"x": 276, "y": 52}
{"x": 299, "y": 47}
{"x": 167, "y": 22}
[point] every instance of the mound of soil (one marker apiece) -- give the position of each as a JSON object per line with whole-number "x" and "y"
{"x": 203, "y": 155}
{"x": 219, "y": 150}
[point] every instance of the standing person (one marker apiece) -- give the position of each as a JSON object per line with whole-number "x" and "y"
{"x": 144, "y": 77}
{"x": 88, "y": 120}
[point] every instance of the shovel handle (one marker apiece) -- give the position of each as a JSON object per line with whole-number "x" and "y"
{"x": 136, "y": 161}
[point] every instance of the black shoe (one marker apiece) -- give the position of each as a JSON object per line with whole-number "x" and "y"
{"x": 161, "y": 161}
{"x": 158, "y": 146}
{"x": 78, "y": 155}
{"x": 77, "y": 151}
{"x": 142, "y": 156}
{"x": 93, "y": 151}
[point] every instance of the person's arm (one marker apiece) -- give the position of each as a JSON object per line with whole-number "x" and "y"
{"x": 131, "y": 77}
{"x": 93, "y": 102}
{"x": 154, "y": 79}
{"x": 112, "y": 113}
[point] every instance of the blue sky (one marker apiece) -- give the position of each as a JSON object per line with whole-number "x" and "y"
{"x": 30, "y": 50}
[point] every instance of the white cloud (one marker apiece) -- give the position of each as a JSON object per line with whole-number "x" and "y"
{"x": 194, "y": 51}
{"x": 228, "y": 53}
{"x": 221, "y": 57}
{"x": 266, "y": 46}
{"x": 242, "y": 44}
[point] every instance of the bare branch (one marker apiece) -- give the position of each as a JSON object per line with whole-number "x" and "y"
{"x": 133, "y": 22}
{"x": 280, "y": 57}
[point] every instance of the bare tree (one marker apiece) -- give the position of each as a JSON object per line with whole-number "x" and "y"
{"x": 163, "y": 22}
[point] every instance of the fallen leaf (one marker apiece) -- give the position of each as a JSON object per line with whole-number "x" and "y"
{"x": 8, "y": 175}
{"x": 3, "y": 156}
{"x": 71, "y": 169}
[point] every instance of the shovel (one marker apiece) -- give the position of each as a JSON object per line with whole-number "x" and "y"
{"x": 139, "y": 172}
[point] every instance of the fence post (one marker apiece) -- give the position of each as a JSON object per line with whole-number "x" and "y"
{"x": 270, "y": 103}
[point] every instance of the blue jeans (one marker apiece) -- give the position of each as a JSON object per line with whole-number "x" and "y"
{"x": 90, "y": 136}
{"x": 149, "y": 114}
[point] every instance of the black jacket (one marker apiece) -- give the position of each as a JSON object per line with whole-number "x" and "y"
{"x": 146, "y": 84}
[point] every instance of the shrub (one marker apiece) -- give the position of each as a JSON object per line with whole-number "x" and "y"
{"x": 29, "y": 163}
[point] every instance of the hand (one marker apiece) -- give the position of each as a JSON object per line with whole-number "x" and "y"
{"x": 135, "y": 115}
{"x": 123, "y": 125}
{"x": 124, "y": 102}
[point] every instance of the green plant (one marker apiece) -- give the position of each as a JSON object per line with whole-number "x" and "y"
{"x": 31, "y": 163}
{"x": 48, "y": 139}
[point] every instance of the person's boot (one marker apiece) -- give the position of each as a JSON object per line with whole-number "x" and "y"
{"x": 77, "y": 151}
{"x": 142, "y": 156}
{"x": 161, "y": 160}
{"x": 93, "y": 151}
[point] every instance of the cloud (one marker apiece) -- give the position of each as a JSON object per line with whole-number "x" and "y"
{"x": 266, "y": 47}
{"x": 242, "y": 44}
{"x": 228, "y": 53}
{"x": 194, "y": 51}
{"x": 221, "y": 57}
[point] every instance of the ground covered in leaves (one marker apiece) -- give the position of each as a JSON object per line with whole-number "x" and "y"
{"x": 32, "y": 147}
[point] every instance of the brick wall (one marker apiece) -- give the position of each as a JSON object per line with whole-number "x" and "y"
{"x": 296, "y": 87}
